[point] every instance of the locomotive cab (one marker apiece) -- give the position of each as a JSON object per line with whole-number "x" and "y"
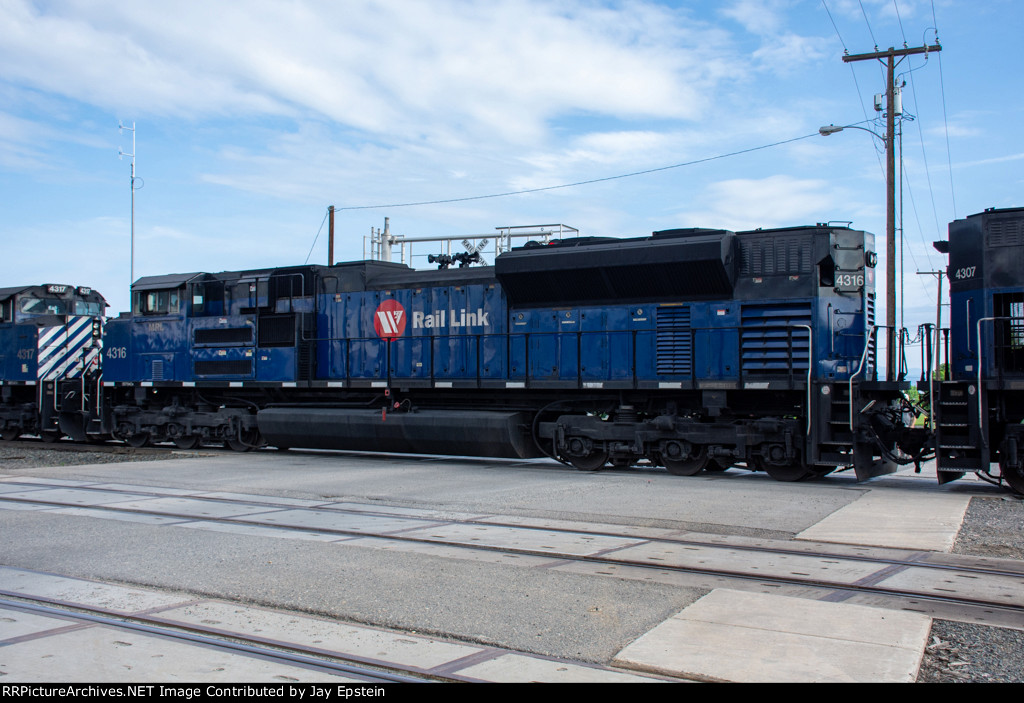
{"x": 50, "y": 346}
{"x": 193, "y": 337}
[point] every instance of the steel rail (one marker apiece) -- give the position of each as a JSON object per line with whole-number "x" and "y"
{"x": 737, "y": 573}
{"x": 325, "y": 508}
{"x": 198, "y": 635}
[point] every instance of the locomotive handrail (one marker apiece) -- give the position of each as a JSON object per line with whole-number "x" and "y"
{"x": 981, "y": 419}
{"x": 926, "y": 353}
{"x": 810, "y": 368}
{"x": 968, "y": 319}
{"x": 831, "y": 332}
{"x": 291, "y": 298}
{"x": 863, "y": 356}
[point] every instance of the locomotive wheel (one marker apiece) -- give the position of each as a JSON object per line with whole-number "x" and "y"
{"x": 138, "y": 441}
{"x": 688, "y": 467}
{"x": 1014, "y": 478}
{"x": 591, "y": 462}
{"x": 10, "y": 434}
{"x": 787, "y": 473}
{"x": 50, "y": 436}
{"x": 187, "y": 441}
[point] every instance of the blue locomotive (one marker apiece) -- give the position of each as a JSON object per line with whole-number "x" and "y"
{"x": 50, "y": 346}
{"x": 979, "y": 402}
{"x": 691, "y": 349}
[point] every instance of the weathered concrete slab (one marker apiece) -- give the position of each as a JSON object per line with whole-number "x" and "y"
{"x": 80, "y": 591}
{"x": 515, "y": 668}
{"x": 928, "y": 521}
{"x": 113, "y": 655}
{"x": 753, "y": 637}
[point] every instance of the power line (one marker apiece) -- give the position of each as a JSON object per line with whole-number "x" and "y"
{"x": 900, "y": 20}
{"x": 578, "y": 183}
{"x": 864, "y": 12}
{"x": 945, "y": 121}
{"x": 316, "y": 237}
{"x": 856, "y": 83}
{"x": 834, "y": 26}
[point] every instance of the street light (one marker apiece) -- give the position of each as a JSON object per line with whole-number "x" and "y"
{"x": 890, "y": 239}
{"x": 832, "y": 129}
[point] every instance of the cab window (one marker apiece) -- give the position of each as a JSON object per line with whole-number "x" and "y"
{"x": 157, "y": 302}
{"x": 43, "y": 306}
{"x": 83, "y": 307}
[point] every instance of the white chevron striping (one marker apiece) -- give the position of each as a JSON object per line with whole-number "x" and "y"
{"x": 62, "y": 349}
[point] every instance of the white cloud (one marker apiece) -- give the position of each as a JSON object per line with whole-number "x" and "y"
{"x": 776, "y": 201}
{"x": 784, "y": 51}
{"x": 756, "y": 16}
{"x": 993, "y": 160}
{"x": 468, "y": 69}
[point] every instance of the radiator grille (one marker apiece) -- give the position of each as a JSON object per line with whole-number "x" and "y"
{"x": 224, "y": 367}
{"x": 277, "y": 331}
{"x": 674, "y": 342}
{"x": 224, "y": 335}
{"x": 771, "y": 344}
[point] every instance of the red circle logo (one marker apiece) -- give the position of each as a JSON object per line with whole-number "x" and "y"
{"x": 389, "y": 319}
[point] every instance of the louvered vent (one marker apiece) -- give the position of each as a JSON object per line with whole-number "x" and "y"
{"x": 225, "y": 367}
{"x": 1005, "y": 233}
{"x": 769, "y": 256}
{"x": 674, "y": 342}
{"x": 771, "y": 344}
{"x": 277, "y": 331}
{"x": 224, "y": 335}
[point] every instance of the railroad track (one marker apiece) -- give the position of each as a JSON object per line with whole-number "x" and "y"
{"x": 293, "y": 655}
{"x": 954, "y": 587}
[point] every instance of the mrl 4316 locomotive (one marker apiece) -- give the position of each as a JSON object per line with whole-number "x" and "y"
{"x": 689, "y": 349}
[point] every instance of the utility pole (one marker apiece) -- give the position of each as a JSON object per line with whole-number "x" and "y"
{"x": 890, "y": 173}
{"x": 330, "y": 237}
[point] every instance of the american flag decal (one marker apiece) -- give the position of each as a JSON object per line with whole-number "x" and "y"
{"x": 67, "y": 351}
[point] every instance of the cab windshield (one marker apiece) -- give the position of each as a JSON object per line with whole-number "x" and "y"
{"x": 43, "y": 306}
{"x": 83, "y": 307}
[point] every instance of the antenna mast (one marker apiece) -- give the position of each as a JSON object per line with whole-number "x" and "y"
{"x": 121, "y": 154}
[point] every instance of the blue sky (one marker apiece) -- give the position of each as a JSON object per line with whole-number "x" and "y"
{"x": 253, "y": 117}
